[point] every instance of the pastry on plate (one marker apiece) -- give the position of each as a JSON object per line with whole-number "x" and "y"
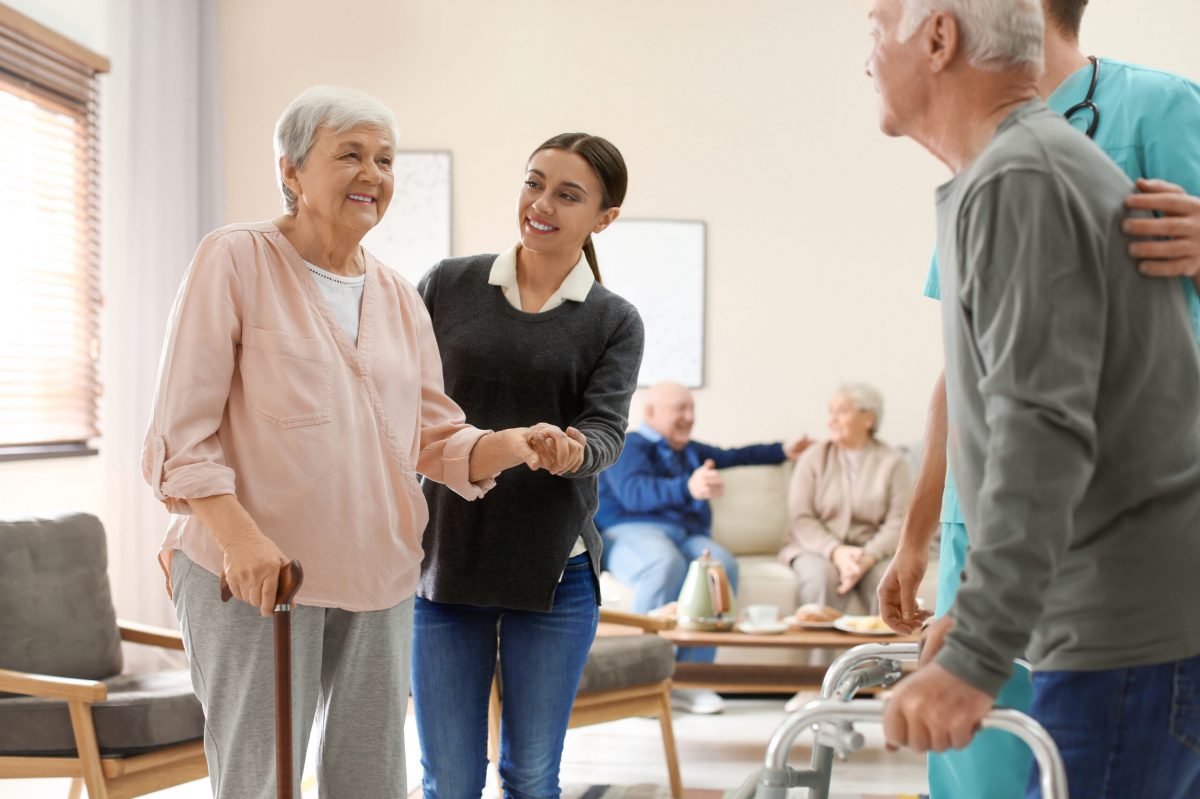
{"x": 868, "y": 624}
{"x": 814, "y": 612}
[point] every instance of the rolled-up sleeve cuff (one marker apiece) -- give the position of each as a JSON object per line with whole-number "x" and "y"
{"x": 827, "y": 550}
{"x": 972, "y": 669}
{"x": 456, "y": 464}
{"x": 194, "y": 481}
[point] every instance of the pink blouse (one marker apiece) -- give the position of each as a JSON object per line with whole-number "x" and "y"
{"x": 261, "y": 394}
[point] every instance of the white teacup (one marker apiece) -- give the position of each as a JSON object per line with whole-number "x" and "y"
{"x": 762, "y": 615}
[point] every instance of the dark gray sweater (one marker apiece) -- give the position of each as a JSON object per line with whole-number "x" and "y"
{"x": 575, "y": 365}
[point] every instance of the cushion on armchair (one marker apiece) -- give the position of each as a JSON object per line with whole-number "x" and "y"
{"x": 623, "y": 661}
{"x": 143, "y": 712}
{"x": 58, "y": 614}
{"x": 59, "y": 620}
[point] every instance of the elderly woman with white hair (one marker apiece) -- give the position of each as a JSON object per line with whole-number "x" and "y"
{"x": 299, "y": 396}
{"x": 846, "y": 502}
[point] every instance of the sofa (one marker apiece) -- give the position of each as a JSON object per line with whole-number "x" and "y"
{"x": 750, "y": 520}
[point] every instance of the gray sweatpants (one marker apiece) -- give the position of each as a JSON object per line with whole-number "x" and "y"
{"x": 350, "y": 670}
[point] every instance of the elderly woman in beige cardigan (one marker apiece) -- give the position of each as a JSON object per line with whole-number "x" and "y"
{"x": 846, "y": 502}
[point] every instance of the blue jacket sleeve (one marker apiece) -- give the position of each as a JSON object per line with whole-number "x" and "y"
{"x": 753, "y": 455}
{"x": 638, "y": 487}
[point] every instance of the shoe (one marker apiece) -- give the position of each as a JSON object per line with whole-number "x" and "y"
{"x": 694, "y": 700}
{"x": 799, "y": 700}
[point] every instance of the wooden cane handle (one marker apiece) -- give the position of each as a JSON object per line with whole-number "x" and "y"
{"x": 290, "y": 578}
{"x": 291, "y": 575}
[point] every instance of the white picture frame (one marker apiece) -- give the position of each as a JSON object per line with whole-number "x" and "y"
{"x": 659, "y": 265}
{"x": 417, "y": 229}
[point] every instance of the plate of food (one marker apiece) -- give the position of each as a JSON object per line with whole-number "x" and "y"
{"x": 863, "y": 625}
{"x": 814, "y": 616}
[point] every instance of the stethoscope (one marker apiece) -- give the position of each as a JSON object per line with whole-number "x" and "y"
{"x": 1087, "y": 104}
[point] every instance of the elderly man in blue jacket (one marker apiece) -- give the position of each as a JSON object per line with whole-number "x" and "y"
{"x": 654, "y": 513}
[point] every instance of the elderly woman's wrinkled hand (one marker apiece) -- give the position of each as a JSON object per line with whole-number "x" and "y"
{"x": 252, "y": 564}
{"x": 559, "y": 452}
{"x": 846, "y": 559}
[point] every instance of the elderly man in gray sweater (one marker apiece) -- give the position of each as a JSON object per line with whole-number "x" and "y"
{"x": 1073, "y": 387}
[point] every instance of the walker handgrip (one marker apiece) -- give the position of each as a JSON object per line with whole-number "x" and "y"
{"x": 291, "y": 575}
{"x": 860, "y": 654}
{"x": 1052, "y": 773}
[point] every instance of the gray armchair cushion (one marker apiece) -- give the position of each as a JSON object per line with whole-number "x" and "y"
{"x": 58, "y": 614}
{"x": 142, "y": 712}
{"x": 623, "y": 661}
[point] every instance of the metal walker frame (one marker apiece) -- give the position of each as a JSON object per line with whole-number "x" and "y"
{"x": 832, "y": 718}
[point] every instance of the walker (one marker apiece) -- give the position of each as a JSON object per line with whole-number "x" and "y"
{"x": 832, "y": 718}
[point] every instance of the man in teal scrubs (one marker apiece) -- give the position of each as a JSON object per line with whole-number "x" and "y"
{"x": 1148, "y": 122}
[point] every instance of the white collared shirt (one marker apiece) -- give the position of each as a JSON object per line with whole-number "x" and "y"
{"x": 575, "y": 285}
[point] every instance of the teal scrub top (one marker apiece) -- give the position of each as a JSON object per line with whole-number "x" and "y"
{"x": 1150, "y": 126}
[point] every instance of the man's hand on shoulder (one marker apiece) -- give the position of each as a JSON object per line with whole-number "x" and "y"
{"x": 793, "y": 447}
{"x": 1167, "y": 245}
{"x": 706, "y": 482}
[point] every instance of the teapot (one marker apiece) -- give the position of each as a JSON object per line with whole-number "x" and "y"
{"x": 706, "y": 601}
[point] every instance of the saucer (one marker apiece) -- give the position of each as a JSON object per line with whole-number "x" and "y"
{"x": 761, "y": 629}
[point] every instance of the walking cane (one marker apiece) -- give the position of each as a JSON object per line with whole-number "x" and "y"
{"x": 290, "y": 577}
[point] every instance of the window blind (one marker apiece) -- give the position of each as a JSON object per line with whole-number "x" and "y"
{"x": 49, "y": 245}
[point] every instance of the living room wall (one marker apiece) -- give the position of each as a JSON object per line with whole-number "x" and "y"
{"x": 755, "y": 117}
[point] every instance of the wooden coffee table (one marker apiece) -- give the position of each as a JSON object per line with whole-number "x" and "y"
{"x": 764, "y": 677}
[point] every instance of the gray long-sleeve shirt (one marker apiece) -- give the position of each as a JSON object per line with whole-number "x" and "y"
{"x": 1073, "y": 386}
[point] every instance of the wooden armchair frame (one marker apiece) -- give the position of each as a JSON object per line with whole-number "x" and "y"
{"x": 595, "y": 707}
{"x": 108, "y": 777}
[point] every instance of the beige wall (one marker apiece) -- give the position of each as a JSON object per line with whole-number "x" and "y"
{"x": 752, "y": 116}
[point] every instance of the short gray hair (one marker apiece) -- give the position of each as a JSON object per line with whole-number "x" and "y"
{"x": 866, "y": 398}
{"x": 996, "y": 34}
{"x": 319, "y": 107}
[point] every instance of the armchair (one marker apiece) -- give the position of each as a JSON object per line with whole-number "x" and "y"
{"x": 65, "y": 708}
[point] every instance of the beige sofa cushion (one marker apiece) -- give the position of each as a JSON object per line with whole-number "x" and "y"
{"x": 751, "y": 517}
{"x": 763, "y": 580}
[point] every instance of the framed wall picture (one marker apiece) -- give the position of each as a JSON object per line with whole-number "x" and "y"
{"x": 415, "y": 232}
{"x": 659, "y": 266}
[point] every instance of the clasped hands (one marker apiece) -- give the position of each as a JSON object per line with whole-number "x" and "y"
{"x": 851, "y": 563}
{"x": 546, "y": 446}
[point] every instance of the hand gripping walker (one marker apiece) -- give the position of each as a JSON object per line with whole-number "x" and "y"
{"x": 832, "y": 718}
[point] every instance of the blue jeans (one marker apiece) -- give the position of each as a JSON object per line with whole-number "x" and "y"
{"x": 653, "y": 558}
{"x": 1124, "y": 733}
{"x": 541, "y": 660}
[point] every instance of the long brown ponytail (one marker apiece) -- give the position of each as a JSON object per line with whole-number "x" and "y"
{"x": 608, "y": 165}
